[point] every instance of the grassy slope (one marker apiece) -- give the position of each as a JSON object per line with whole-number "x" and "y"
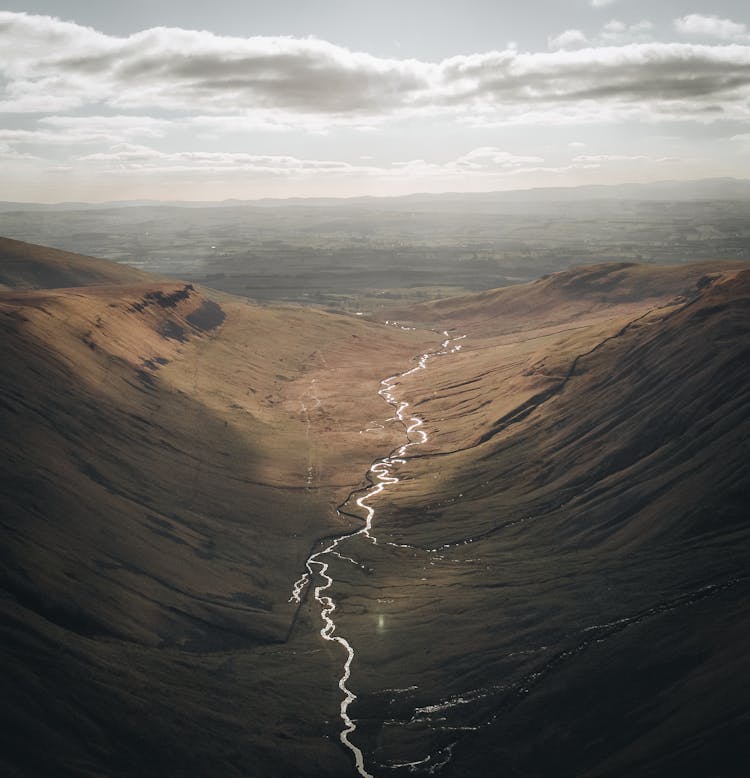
{"x": 168, "y": 462}
{"x": 584, "y": 601}
{"x": 28, "y": 266}
{"x": 573, "y": 586}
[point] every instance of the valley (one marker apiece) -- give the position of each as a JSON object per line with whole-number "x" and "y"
{"x": 525, "y": 556}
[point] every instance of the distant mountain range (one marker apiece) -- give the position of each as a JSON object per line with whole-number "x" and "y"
{"x": 702, "y": 189}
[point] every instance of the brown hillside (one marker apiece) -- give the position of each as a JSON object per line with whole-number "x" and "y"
{"x": 569, "y": 588}
{"x": 564, "y": 296}
{"x": 28, "y": 266}
{"x": 559, "y": 585}
{"x": 168, "y": 462}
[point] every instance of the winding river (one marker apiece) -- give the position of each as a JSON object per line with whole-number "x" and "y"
{"x": 380, "y": 475}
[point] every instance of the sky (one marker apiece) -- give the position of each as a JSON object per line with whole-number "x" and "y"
{"x": 333, "y": 98}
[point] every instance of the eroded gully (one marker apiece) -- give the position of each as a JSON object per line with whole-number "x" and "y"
{"x": 380, "y": 475}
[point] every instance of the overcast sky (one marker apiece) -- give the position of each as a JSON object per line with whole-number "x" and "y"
{"x": 212, "y": 100}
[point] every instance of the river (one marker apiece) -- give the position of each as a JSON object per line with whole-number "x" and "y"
{"x": 381, "y": 475}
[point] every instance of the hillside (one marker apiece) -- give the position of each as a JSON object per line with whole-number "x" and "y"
{"x": 566, "y": 590}
{"x": 168, "y": 462}
{"x": 559, "y": 584}
{"x": 27, "y": 266}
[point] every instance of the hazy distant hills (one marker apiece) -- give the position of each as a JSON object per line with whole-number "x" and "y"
{"x": 559, "y": 585}
{"x": 367, "y": 254}
{"x": 701, "y": 189}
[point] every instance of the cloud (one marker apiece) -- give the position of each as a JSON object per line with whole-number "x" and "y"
{"x": 647, "y": 81}
{"x": 213, "y": 84}
{"x": 107, "y": 127}
{"x": 75, "y": 130}
{"x": 617, "y": 32}
{"x": 172, "y": 68}
{"x": 9, "y": 154}
{"x": 479, "y": 163}
{"x": 567, "y": 39}
{"x": 125, "y": 152}
{"x": 628, "y": 162}
{"x": 712, "y": 27}
{"x": 599, "y": 158}
{"x": 491, "y": 157}
{"x": 601, "y": 3}
{"x": 138, "y": 157}
{"x": 482, "y": 168}
{"x": 613, "y": 33}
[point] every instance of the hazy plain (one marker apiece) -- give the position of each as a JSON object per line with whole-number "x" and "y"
{"x": 369, "y": 254}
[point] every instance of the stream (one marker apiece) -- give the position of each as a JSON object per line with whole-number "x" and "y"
{"x": 381, "y": 475}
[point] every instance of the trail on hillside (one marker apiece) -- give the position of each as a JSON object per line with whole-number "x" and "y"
{"x": 380, "y": 475}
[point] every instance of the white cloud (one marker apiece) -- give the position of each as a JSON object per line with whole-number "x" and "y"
{"x": 588, "y": 161}
{"x": 66, "y": 65}
{"x": 483, "y": 163}
{"x": 138, "y": 157}
{"x": 281, "y": 83}
{"x": 490, "y": 157}
{"x": 125, "y": 152}
{"x": 10, "y": 154}
{"x": 102, "y": 104}
{"x": 567, "y": 39}
{"x": 616, "y": 32}
{"x": 75, "y": 130}
{"x": 216, "y": 125}
{"x": 71, "y": 128}
{"x": 615, "y": 26}
{"x": 610, "y": 158}
{"x": 601, "y": 3}
{"x": 635, "y": 82}
{"x": 712, "y": 27}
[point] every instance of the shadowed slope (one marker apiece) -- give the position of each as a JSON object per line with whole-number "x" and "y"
{"x": 568, "y": 595}
{"x": 559, "y": 586}
{"x": 168, "y": 462}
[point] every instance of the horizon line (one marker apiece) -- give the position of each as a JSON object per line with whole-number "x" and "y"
{"x": 351, "y": 198}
